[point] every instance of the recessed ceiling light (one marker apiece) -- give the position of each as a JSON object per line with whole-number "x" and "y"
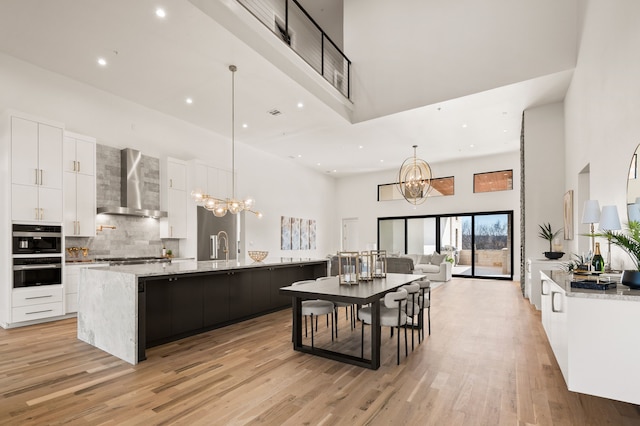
{"x": 300, "y": 105}
{"x": 471, "y": 146}
{"x": 504, "y": 131}
{"x": 335, "y": 171}
{"x": 464, "y": 126}
{"x": 102, "y": 62}
{"x": 317, "y": 164}
{"x": 245, "y": 125}
{"x": 382, "y": 161}
{"x": 160, "y": 13}
{"x": 299, "y": 155}
{"x": 189, "y": 100}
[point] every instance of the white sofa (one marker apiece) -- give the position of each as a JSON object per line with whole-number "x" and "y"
{"x": 434, "y": 266}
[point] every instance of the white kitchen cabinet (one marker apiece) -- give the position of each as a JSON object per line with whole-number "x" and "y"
{"x": 532, "y": 278}
{"x": 79, "y": 185}
{"x": 36, "y": 171}
{"x": 70, "y": 283}
{"x": 213, "y": 181}
{"x": 554, "y": 313}
{"x": 173, "y": 198}
{"x": 36, "y": 303}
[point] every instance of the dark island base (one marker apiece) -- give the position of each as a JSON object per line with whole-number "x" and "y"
{"x": 178, "y": 306}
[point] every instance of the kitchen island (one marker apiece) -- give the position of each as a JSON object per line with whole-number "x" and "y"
{"x": 125, "y": 309}
{"x": 593, "y": 335}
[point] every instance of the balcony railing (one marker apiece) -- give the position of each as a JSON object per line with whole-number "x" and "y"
{"x": 288, "y": 20}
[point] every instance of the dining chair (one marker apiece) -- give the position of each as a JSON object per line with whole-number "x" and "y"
{"x": 412, "y": 309}
{"x": 392, "y": 314}
{"x": 347, "y": 307}
{"x": 424, "y": 301}
{"x": 315, "y": 308}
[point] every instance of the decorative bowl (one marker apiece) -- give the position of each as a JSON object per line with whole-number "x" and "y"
{"x": 258, "y": 256}
{"x": 553, "y": 254}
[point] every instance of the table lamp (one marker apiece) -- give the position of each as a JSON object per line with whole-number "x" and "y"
{"x": 609, "y": 221}
{"x": 591, "y": 215}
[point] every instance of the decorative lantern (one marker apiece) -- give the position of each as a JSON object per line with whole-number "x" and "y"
{"x": 379, "y": 261}
{"x": 366, "y": 266}
{"x": 348, "y": 267}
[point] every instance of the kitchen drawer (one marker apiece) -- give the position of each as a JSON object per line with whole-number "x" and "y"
{"x": 71, "y": 303}
{"x": 37, "y": 295}
{"x": 35, "y": 312}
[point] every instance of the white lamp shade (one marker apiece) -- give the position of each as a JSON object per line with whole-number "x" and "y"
{"x": 591, "y": 212}
{"x": 634, "y": 212}
{"x": 609, "y": 220}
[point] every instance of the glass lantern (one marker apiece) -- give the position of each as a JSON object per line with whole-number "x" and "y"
{"x": 379, "y": 261}
{"x": 366, "y": 268}
{"x": 348, "y": 267}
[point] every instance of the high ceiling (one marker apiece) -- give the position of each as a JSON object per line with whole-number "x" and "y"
{"x": 159, "y": 63}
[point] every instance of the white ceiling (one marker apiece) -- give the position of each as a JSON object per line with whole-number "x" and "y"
{"x": 160, "y": 62}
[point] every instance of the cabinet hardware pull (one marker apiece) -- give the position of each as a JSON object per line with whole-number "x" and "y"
{"x": 542, "y": 288}
{"x": 170, "y": 183}
{"x": 78, "y": 167}
{"x": 39, "y": 312}
{"x": 74, "y": 165}
{"x": 36, "y": 213}
{"x": 41, "y": 180}
{"x": 37, "y": 183}
{"x": 41, "y": 214}
{"x": 38, "y": 297}
{"x": 553, "y": 301}
{"x": 78, "y": 222}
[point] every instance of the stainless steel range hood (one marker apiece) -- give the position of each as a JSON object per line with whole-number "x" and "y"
{"x": 131, "y": 188}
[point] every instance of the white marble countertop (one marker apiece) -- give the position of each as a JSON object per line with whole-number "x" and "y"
{"x": 621, "y": 292}
{"x": 187, "y": 267}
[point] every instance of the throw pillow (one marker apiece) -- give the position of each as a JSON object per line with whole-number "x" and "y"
{"x": 437, "y": 258}
{"x": 425, "y": 259}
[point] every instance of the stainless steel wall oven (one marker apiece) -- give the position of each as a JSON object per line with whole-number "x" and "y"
{"x": 36, "y": 271}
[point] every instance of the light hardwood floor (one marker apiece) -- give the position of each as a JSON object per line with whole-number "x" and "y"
{"x": 487, "y": 362}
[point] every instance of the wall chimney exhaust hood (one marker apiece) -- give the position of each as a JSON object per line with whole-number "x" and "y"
{"x": 131, "y": 188}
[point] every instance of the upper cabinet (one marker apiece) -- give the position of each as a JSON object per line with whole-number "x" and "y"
{"x": 173, "y": 198}
{"x": 213, "y": 181}
{"x": 36, "y": 170}
{"x": 79, "y": 162}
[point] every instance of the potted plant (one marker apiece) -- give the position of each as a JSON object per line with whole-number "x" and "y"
{"x": 630, "y": 243}
{"x": 547, "y": 234}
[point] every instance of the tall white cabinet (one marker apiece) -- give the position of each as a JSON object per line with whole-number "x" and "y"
{"x": 36, "y": 171}
{"x": 79, "y": 163}
{"x": 174, "y": 198}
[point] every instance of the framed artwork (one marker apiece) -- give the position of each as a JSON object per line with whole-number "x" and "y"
{"x": 304, "y": 234}
{"x": 312, "y": 234}
{"x": 285, "y": 233}
{"x": 295, "y": 233}
{"x": 568, "y": 215}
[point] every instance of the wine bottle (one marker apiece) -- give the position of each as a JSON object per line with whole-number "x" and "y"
{"x": 598, "y": 261}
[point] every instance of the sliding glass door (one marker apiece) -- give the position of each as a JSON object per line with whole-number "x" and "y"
{"x": 478, "y": 245}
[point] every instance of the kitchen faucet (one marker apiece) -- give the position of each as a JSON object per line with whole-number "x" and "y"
{"x": 226, "y": 244}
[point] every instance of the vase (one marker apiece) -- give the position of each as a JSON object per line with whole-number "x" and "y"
{"x": 631, "y": 279}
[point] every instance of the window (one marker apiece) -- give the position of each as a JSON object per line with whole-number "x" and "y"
{"x": 493, "y": 181}
{"x": 439, "y": 187}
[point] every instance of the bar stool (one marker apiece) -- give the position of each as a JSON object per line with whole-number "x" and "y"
{"x": 392, "y": 314}
{"x": 311, "y": 308}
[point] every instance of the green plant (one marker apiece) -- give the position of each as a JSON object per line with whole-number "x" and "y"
{"x": 547, "y": 234}
{"x": 169, "y": 253}
{"x": 629, "y": 242}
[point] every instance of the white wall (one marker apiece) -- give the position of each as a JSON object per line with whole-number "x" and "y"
{"x": 544, "y": 176}
{"x": 602, "y": 107}
{"x": 357, "y": 197}
{"x": 279, "y": 186}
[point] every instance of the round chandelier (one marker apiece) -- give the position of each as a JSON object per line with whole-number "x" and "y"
{"x": 414, "y": 179}
{"x": 218, "y": 206}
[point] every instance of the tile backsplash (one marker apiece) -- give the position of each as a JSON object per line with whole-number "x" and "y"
{"x": 132, "y": 236}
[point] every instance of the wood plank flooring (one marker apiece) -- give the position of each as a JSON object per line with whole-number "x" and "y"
{"x": 487, "y": 362}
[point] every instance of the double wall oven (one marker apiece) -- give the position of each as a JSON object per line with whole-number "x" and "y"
{"x": 37, "y": 255}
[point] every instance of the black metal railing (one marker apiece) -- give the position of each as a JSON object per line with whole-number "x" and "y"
{"x": 288, "y": 20}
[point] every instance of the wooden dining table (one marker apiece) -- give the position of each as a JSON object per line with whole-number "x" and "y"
{"x": 362, "y": 293}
